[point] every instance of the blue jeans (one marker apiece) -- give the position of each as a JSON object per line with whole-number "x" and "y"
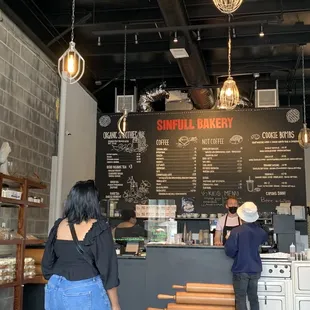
{"x": 245, "y": 285}
{"x": 89, "y": 294}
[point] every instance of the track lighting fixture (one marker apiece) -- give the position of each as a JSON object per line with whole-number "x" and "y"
{"x": 261, "y": 33}
{"x": 99, "y": 41}
{"x": 198, "y": 35}
{"x": 136, "y": 39}
{"x": 234, "y": 35}
{"x": 175, "y": 40}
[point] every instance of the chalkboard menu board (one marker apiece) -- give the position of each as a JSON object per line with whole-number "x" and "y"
{"x": 202, "y": 157}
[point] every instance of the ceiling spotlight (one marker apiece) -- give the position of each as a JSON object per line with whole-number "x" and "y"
{"x": 136, "y": 39}
{"x": 198, "y": 35}
{"x": 99, "y": 41}
{"x": 234, "y": 33}
{"x": 175, "y": 40}
{"x": 261, "y": 33}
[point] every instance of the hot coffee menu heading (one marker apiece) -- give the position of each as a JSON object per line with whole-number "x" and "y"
{"x": 202, "y": 157}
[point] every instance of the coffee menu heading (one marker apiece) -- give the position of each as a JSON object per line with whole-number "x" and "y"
{"x": 201, "y": 157}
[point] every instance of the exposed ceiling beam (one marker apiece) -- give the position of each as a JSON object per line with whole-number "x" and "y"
{"x": 205, "y": 9}
{"x": 81, "y": 21}
{"x": 145, "y": 73}
{"x": 149, "y": 15}
{"x": 183, "y": 28}
{"x": 101, "y": 5}
{"x": 215, "y": 68}
{"x": 192, "y": 68}
{"x": 162, "y": 46}
{"x": 251, "y": 41}
{"x": 196, "y": 9}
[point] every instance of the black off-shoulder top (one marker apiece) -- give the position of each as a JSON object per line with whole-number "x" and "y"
{"x": 62, "y": 258}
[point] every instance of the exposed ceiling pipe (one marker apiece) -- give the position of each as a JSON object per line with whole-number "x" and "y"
{"x": 193, "y": 68}
{"x": 150, "y": 96}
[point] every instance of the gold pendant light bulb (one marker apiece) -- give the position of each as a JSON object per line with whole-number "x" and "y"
{"x": 228, "y": 92}
{"x": 71, "y": 66}
{"x": 304, "y": 137}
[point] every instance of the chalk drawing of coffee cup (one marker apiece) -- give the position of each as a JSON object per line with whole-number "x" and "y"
{"x": 250, "y": 185}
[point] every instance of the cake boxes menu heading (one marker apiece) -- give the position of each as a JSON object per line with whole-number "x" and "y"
{"x": 199, "y": 158}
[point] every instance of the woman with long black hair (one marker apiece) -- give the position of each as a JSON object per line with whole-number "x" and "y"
{"x": 79, "y": 260}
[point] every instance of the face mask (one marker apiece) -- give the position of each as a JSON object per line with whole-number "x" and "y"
{"x": 233, "y": 210}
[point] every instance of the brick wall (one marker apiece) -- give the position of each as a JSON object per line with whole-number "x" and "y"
{"x": 29, "y": 87}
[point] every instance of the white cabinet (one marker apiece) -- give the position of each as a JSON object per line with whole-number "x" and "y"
{"x": 272, "y": 303}
{"x": 271, "y": 287}
{"x": 301, "y": 276}
{"x": 275, "y": 294}
{"x": 302, "y": 302}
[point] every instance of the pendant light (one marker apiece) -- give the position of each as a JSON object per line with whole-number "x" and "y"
{"x": 229, "y": 95}
{"x": 71, "y": 65}
{"x": 227, "y": 6}
{"x": 122, "y": 122}
{"x": 304, "y": 134}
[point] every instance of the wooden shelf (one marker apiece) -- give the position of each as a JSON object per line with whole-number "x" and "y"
{"x": 20, "y": 241}
{"x": 16, "y": 180}
{"x": 36, "y": 185}
{"x": 6, "y": 285}
{"x": 11, "y": 202}
{"x": 35, "y": 204}
{"x": 36, "y": 280}
{"x": 34, "y": 241}
{"x": 23, "y": 185}
{"x": 11, "y": 242}
{"x": 16, "y": 202}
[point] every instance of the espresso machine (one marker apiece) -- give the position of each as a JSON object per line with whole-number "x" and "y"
{"x": 284, "y": 231}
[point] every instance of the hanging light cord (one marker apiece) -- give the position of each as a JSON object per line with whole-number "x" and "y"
{"x": 229, "y": 49}
{"x": 123, "y": 119}
{"x": 303, "y": 82}
{"x": 125, "y": 62}
{"x": 72, "y": 20}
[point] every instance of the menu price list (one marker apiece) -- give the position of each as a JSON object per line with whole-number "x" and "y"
{"x": 275, "y": 169}
{"x": 176, "y": 171}
{"x": 117, "y": 164}
{"x": 222, "y": 169}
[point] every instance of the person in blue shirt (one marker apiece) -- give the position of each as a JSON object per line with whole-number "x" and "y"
{"x": 243, "y": 246}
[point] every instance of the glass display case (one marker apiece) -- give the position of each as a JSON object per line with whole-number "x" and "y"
{"x": 161, "y": 230}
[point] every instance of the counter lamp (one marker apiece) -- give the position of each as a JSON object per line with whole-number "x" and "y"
{"x": 71, "y": 65}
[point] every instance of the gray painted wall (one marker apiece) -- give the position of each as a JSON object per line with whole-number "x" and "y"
{"x": 79, "y": 144}
{"x": 28, "y": 90}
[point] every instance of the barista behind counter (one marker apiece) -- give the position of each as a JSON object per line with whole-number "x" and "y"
{"x": 227, "y": 222}
{"x": 129, "y": 228}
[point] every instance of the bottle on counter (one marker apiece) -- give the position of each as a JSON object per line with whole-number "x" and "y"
{"x": 211, "y": 239}
{"x": 185, "y": 233}
{"x": 292, "y": 251}
{"x": 112, "y": 208}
